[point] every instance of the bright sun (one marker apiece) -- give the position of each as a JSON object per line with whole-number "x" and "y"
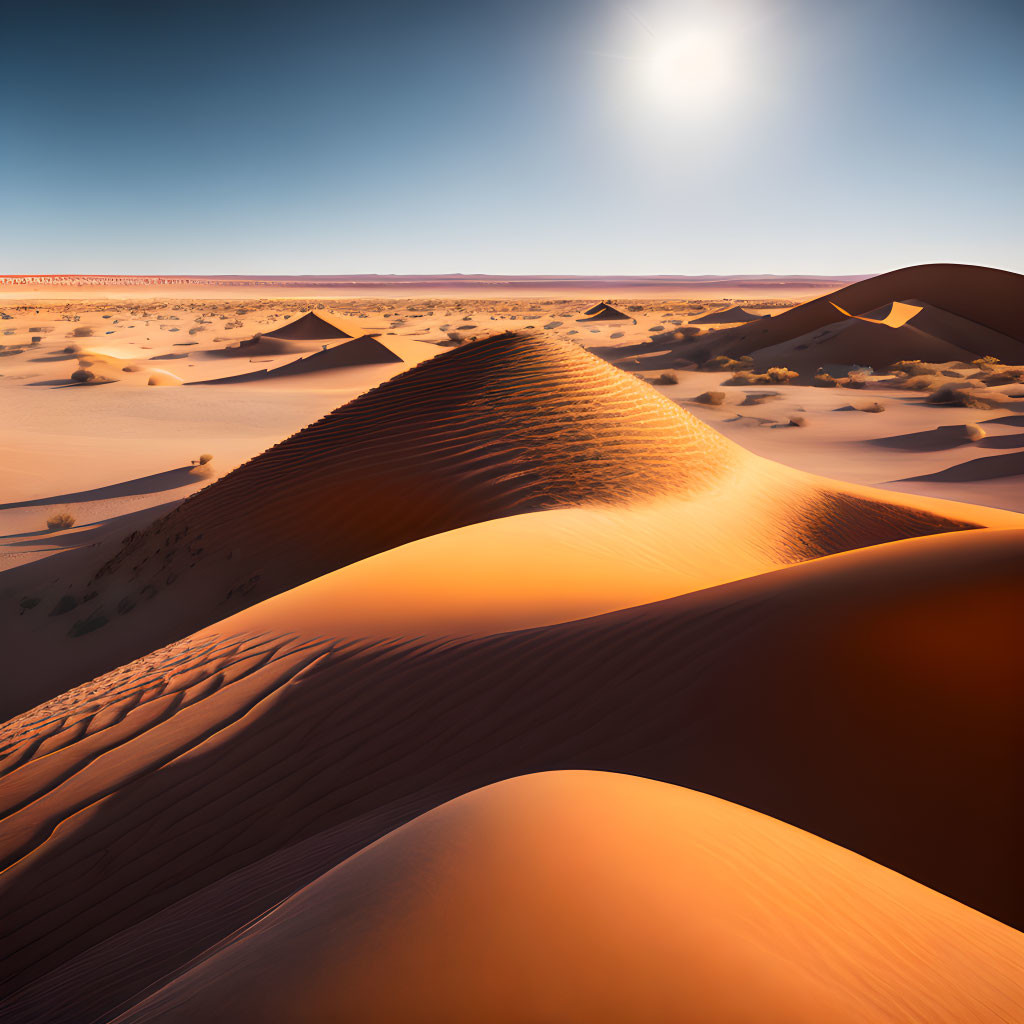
{"x": 694, "y": 65}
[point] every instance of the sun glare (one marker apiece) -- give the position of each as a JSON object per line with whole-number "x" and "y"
{"x": 691, "y": 66}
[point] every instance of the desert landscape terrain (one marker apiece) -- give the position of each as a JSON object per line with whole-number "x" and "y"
{"x": 576, "y": 649}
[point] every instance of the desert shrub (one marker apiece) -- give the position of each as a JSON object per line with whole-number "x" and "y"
{"x": 60, "y": 521}
{"x": 204, "y": 459}
{"x": 950, "y": 395}
{"x": 924, "y": 382}
{"x": 911, "y": 367}
{"x": 82, "y": 376}
{"x": 711, "y": 398}
{"x": 825, "y": 380}
{"x": 82, "y": 332}
{"x": 986, "y": 361}
{"x": 668, "y": 377}
{"x": 974, "y": 432}
{"x": 780, "y": 375}
{"x": 28, "y": 603}
{"x": 797, "y": 421}
{"x": 872, "y": 407}
{"x": 745, "y": 377}
{"x": 71, "y": 350}
{"x": 729, "y": 364}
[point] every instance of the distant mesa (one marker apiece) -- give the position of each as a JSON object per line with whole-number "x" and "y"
{"x": 732, "y": 315}
{"x": 603, "y": 311}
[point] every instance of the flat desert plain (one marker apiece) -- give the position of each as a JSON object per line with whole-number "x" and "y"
{"x": 454, "y": 651}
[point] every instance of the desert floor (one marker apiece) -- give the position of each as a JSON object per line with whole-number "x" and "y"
{"x": 102, "y": 451}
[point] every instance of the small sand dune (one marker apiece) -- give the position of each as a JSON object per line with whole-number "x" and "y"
{"x": 313, "y": 327}
{"x": 602, "y": 311}
{"x": 591, "y": 897}
{"x": 365, "y": 351}
{"x": 732, "y": 315}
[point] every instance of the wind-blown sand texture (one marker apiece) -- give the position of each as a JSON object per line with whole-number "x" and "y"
{"x": 511, "y": 678}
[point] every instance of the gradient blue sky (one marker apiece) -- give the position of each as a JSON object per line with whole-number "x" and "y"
{"x": 509, "y": 137}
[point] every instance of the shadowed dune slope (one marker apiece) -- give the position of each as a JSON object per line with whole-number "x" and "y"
{"x": 845, "y": 711}
{"x": 504, "y": 426}
{"x": 364, "y": 351}
{"x": 590, "y": 897}
{"x": 861, "y": 342}
{"x": 987, "y": 297}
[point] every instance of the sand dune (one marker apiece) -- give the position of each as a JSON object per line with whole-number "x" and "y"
{"x": 365, "y": 351}
{"x": 144, "y": 787}
{"x": 860, "y": 341}
{"x": 985, "y": 297}
{"x": 602, "y": 311}
{"x": 313, "y": 327}
{"x": 590, "y": 897}
{"x": 732, "y": 315}
{"x": 508, "y": 425}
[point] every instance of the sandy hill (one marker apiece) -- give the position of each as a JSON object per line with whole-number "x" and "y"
{"x": 591, "y": 897}
{"x": 152, "y": 812}
{"x": 310, "y": 327}
{"x": 990, "y": 299}
{"x": 508, "y": 425}
{"x": 603, "y": 311}
{"x": 364, "y": 351}
{"x": 732, "y": 315}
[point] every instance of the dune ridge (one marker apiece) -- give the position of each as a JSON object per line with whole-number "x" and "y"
{"x": 507, "y": 425}
{"x": 986, "y": 297}
{"x": 591, "y": 897}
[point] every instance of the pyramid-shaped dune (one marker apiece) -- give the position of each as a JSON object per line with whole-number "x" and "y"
{"x": 603, "y": 311}
{"x": 507, "y": 895}
{"x": 508, "y": 425}
{"x": 309, "y": 327}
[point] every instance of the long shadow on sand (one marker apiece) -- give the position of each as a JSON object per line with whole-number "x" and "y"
{"x": 166, "y": 481}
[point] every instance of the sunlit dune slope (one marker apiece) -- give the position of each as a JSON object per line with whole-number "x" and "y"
{"x": 590, "y": 897}
{"x": 990, "y": 299}
{"x": 505, "y": 426}
{"x": 831, "y": 694}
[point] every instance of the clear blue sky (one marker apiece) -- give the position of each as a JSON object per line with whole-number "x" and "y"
{"x": 528, "y": 136}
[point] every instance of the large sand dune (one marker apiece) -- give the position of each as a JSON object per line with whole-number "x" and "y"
{"x": 845, "y": 710}
{"x": 454, "y": 607}
{"x": 990, "y": 299}
{"x": 508, "y": 425}
{"x": 589, "y": 897}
